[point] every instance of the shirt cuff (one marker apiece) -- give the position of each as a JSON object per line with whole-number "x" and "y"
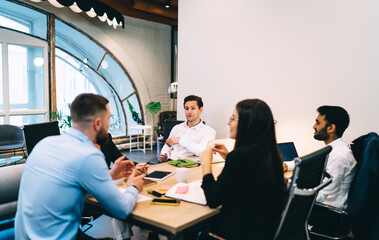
{"x": 133, "y": 190}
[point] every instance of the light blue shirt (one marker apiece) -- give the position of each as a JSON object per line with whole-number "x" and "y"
{"x": 58, "y": 174}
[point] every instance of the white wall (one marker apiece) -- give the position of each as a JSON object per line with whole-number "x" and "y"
{"x": 296, "y": 55}
{"x": 143, "y": 48}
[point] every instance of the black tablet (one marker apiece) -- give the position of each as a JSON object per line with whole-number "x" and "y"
{"x": 158, "y": 175}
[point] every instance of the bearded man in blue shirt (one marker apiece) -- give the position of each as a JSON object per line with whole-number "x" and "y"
{"x": 62, "y": 169}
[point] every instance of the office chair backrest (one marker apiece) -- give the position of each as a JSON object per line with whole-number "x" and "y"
{"x": 363, "y": 198}
{"x": 10, "y": 137}
{"x": 166, "y": 115}
{"x": 33, "y": 133}
{"x": 168, "y": 125}
{"x": 306, "y": 182}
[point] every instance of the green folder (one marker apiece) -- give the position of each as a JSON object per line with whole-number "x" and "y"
{"x": 183, "y": 163}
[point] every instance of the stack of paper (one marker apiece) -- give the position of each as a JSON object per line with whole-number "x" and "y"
{"x": 195, "y": 193}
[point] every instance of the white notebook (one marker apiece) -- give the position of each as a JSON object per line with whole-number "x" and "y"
{"x": 195, "y": 193}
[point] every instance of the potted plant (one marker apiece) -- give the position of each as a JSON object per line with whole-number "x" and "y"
{"x": 65, "y": 121}
{"x": 135, "y": 116}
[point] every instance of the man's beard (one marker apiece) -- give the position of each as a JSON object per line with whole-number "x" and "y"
{"x": 322, "y": 134}
{"x": 102, "y": 137}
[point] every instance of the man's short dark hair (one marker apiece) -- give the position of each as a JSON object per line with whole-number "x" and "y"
{"x": 335, "y": 115}
{"x": 87, "y": 105}
{"x": 194, "y": 98}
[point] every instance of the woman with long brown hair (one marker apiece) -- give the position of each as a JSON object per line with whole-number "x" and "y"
{"x": 251, "y": 186}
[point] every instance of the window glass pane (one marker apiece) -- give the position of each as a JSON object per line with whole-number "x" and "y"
{"x": 116, "y": 77}
{"x": 134, "y": 102}
{"x": 74, "y": 78}
{"x": 23, "y": 19}
{"x": 70, "y": 80}
{"x": 26, "y": 83}
{"x": 117, "y": 121}
{"x": 1, "y": 78}
{"x": 20, "y": 120}
{"x": 78, "y": 44}
{"x": 1, "y": 120}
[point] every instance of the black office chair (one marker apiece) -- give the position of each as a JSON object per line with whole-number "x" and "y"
{"x": 362, "y": 215}
{"x": 11, "y": 138}
{"x": 168, "y": 125}
{"x": 306, "y": 182}
{"x": 33, "y": 133}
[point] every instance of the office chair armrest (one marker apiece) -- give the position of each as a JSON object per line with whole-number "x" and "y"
{"x": 327, "y": 208}
{"x": 315, "y": 190}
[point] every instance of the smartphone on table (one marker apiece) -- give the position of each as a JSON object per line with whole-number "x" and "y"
{"x": 165, "y": 201}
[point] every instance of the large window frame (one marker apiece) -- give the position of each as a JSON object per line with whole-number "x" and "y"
{"x": 9, "y": 37}
{"x": 49, "y": 70}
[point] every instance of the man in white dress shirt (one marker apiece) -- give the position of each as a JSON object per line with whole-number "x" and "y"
{"x": 330, "y": 125}
{"x": 191, "y": 137}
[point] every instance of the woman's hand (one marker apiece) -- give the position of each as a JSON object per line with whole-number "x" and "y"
{"x": 221, "y": 149}
{"x": 206, "y": 158}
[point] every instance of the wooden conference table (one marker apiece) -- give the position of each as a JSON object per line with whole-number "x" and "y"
{"x": 172, "y": 221}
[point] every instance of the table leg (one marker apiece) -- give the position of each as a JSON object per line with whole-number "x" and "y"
{"x": 144, "y": 140}
{"x": 151, "y": 138}
{"x": 130, "y": 142}
{"x": 137, "y": 139}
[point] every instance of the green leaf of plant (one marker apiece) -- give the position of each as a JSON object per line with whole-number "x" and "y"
{"x": 153, "y": 107}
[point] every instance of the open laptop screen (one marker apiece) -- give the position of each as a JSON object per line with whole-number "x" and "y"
{"x": 287, "y": 151}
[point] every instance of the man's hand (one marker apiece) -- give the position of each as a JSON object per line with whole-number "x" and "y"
{"x": 172, "y": 140}
{"x": 142, "y": 168}
{"x": 163, "y": 157}
{"x": 121, "y": 168}
{"x": 136, "y": 179}
{"x": 206, "y": 158}
{"x": 221, "y": 149}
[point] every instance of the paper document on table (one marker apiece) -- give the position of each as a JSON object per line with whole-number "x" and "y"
{"x": 195, "y": 193}
{"x": 140, "y": 197}
{"x": 216, "y": 158}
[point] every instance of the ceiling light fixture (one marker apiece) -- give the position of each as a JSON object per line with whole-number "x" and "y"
{"x": 167, "y": 4}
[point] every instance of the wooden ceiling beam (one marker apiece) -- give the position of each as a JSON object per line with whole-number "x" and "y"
{"x": 145, "y": 9}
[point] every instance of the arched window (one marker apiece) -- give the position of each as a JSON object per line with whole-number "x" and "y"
{"x": 81, "y": 65}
